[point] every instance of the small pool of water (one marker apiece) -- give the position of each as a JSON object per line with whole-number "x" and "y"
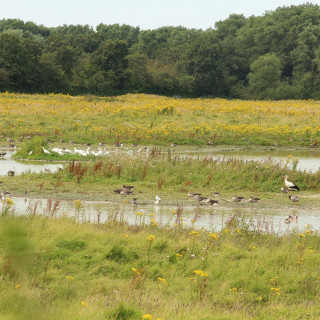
{"x": 19, "y": 166}
{"x": 209, "y": 218}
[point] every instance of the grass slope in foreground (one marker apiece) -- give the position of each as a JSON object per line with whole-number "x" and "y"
{"x": 58, "y": 269}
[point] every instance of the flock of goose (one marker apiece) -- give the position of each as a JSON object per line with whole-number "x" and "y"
{"x": 80, "y": 152}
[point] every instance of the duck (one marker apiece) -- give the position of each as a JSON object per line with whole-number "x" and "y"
{"x": 134, "y": 201}
{"x": 253, "y": 199}
{"x": 294, "y": 199}
{"x": 290, "y": 185}
{"x": 284, "y": 190}
{"x": 11, "y": 173}
{"x": 237, "y": 199}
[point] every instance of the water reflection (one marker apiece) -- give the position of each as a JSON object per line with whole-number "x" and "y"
{"x": 199, "y": 217}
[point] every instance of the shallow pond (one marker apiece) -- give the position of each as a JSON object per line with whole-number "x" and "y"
{"x": 308, "y": 160}
{"x": 19, "y": 166}
{"x": 209, "y": 218}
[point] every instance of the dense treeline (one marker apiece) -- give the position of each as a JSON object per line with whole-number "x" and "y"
{"x": 274, "y": 56}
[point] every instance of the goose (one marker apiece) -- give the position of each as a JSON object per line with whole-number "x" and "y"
{"x": 46, "y": 151}
{"x": 68, "y": 151}
{"x": 237, "y": 199}
{"x": 130, "y": 188}
{"x": 157, "y": 202}
{"x": 125, "y": 192}
{"x": 291, "y": 218}
{"x": 253, "y": 200}
{"x": 199, "y": 198}
{"x": 4, "y": 195}
{"x": 290, "y": 185}
{"x": 294, "y": 199}
{"x": 193, "y": 194}
{"x": 211, "y": 202}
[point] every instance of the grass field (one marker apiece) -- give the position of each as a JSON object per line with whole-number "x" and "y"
{"x": 55, "y": 268}
{"x": 156, "y": 120}
{"x": 58, "y": 269}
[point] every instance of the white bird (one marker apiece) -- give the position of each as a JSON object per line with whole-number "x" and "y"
{"x": 157, "y": 202}
{"x": 46, "y": 151}
{"x": 68, "y": 151}
{"x": 290, "y": 185}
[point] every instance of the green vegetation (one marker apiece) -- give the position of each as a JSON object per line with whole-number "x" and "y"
{"x": 274, "y": 56}
{"x": 57, "y": 269}
{"x": 170, "y": 176}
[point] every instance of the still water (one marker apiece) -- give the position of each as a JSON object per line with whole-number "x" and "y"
{"x": 19, "y": 166}
{"x": 200, "y": 217}
{"x": 210, "y": 218}
{"x": 307, "y": 160}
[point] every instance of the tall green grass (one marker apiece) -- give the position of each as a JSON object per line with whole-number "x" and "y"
{"x": 58, "y": 269}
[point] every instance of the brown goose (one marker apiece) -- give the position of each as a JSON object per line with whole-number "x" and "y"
{"x": 237, "y": 199}
{"x": 254, "y": 200}
{"x": 294, "y": 199}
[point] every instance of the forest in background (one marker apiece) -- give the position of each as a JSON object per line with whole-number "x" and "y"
{"x": 273, "y": 56}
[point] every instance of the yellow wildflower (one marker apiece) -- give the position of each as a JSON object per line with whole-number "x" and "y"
{"x": 135, "y": 271}
{"x": 163, "y": 281}
{"x": 9, "y": 202}
{"x": 84, "y": 303}
{"x": 151, "y": 237}
{"x": 213, "y": 236}
{"x": 147, "y": 317}
{"x": 200, "y": 273}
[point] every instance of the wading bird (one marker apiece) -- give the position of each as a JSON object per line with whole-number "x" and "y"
{"x": 290, "y": 185}
{"x": 157, "y": 202}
